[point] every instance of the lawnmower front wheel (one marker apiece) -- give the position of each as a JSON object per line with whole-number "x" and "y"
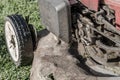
{"x": 18, "y": 40}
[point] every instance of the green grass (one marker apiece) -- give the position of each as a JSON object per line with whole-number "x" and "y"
{"x": 8, "y": 71}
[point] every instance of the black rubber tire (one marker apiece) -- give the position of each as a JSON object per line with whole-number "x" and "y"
{"x": 34, "y": 35}
{"x": 24, "y": 39}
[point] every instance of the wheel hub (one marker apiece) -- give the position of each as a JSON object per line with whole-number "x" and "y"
{"x": 11, "y": 41}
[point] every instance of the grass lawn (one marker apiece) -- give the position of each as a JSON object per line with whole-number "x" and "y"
{"x": 8, "y": 71}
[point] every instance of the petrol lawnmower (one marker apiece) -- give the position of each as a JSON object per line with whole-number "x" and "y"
{"x": 93, "y": 24}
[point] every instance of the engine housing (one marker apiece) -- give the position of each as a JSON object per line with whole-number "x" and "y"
{"x": 115, "y": 5}
{"x": 55, "y": 16}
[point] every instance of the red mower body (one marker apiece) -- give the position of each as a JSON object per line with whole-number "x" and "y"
{"x": 91, "y": 4}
